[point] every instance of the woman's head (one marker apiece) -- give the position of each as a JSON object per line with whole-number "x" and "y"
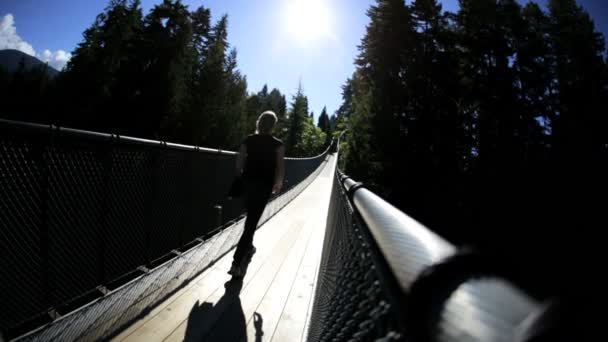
{"x": 266, "y": 122}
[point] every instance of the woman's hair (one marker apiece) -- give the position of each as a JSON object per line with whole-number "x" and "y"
{"x": 266, "y": 122}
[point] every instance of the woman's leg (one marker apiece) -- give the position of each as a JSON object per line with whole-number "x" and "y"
{"x": 257, "y": 196}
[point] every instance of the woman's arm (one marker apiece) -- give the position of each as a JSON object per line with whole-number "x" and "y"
{"x": 280, "y": 170}
{"x": 240, "y": 160}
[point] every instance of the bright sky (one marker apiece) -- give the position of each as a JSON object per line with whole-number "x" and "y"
{"x": 279, "y": 42}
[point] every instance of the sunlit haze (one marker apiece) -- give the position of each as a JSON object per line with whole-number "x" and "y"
{"x": 307, "y": 21}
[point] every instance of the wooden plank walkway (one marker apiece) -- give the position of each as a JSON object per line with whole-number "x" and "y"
{"x": 272, "y": 302}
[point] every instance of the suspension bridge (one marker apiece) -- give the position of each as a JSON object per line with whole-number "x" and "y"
{"x": 107, "y": 237}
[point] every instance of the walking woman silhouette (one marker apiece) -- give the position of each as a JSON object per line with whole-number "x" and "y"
{"x": 261, "y": 165}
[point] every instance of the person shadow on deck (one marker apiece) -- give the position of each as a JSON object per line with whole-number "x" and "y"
{"x": 224, "y": 321}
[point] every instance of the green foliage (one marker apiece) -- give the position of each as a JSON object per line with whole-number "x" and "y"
{"x": 581, "y": 86}
{"x": 312, "y": 141}
{"x": 263, "y": 101}
{"x": 222, "y": 93}
{"x": 99, "y": 80}
{"x": 168, "y": 67}
{"x": 297, "y": 118}
{"x": 467, "y": 112}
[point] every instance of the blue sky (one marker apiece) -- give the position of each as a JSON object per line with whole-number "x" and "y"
{"x": 276, "y": 42}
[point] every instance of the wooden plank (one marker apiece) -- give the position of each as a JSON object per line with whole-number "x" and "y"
{"x": 276, "y": 295}
{"x": 328, "y": 184}
{"x": 159, "y": 323}
{"x": 162, "y": 306}
{"x": 261, "y": 263}
{"x": 250, "y": 298}
{"x": 292, "y": 321}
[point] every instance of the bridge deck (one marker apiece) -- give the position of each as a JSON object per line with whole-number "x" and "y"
{"x": 275, "y": 297}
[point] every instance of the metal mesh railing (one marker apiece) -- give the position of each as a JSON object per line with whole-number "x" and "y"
{"x": 112, "y": 223}
{"x": 383, "y": 276}
{"x": 350, "y": 303}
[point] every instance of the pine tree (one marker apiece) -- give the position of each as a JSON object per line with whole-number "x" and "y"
{"x": 168, "y": 68}
{"x": 276, "y": 103}
{"x": 579, "y": 139}
{"x": 264, "y": 92}
{"x": 433, "y": 89}
{"x": 325, "y": 126}
{"x": 220, "y": 114}
{"x": 323, "y": 121}
{"x": 263, "y": 101}
{"x": 492, "y": 112}
{"x": 201, "y": 30}
{"x": 333, "y": 122}
{"x": 235, "y": 117}
{"x": 383, "y": 63}
{"x": 533, "y": 75}
{"x": 100, "y": 75}
{"x": 194, "y": 122}
{"x": 214, "y": 85}
{"x": 254, "y": 107}
{"x": 358, "y": 156}
{"x": 581, "y": 85}
{"x": 486, "y": 37}
{"x": 345, "y": 108}
{"x": 298, "y": 113}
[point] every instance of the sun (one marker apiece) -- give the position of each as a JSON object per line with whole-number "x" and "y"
{"x": 307, "y": 21}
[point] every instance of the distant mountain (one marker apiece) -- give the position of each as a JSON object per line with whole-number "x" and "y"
{"x": 10, "y": 60}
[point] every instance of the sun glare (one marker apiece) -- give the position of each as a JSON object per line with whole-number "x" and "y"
{"x": 307, "y": 20}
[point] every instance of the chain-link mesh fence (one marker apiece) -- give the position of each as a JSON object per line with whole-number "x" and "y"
{"x": 349, "y": 304}
{"x": 112, "y": 223}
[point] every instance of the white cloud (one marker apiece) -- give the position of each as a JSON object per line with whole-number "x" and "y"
{"x": 57, "y": 59}
{"x": 9, "y": 39}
